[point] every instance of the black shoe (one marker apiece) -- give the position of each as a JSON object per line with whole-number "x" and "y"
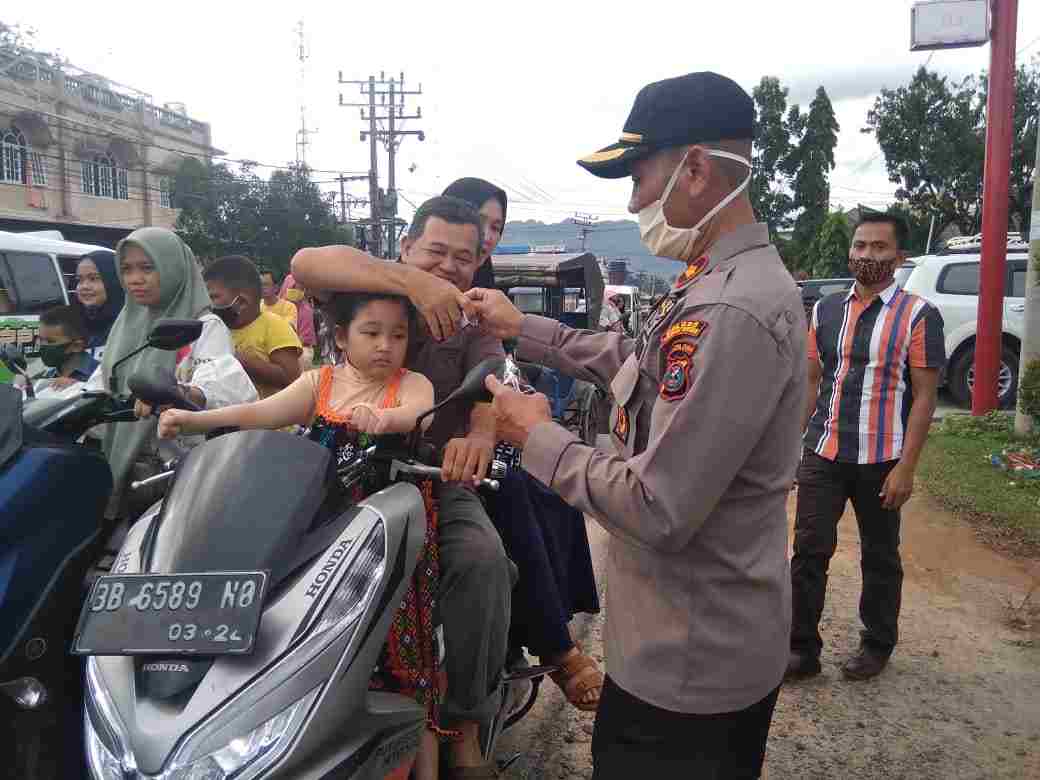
{"x": 865, "y": 664}
{"x": 801, "y": 666}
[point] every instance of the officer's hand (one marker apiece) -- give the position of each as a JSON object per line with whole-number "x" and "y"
{"x": 440, "y": 303}
{"x": 142, "y": 410}
{"x": 467, "y": 459}
{"x": 516, "y": 414}
{"x": 498, "y": 316}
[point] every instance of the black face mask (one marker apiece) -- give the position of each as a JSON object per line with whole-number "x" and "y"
{"x": 228, "y": 314}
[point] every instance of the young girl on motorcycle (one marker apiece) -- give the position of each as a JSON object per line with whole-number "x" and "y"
{"x": 369, "y": 393}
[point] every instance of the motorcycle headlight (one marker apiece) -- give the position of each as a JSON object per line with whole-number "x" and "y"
{"x": 104, "y": 731}
{"x": 247, "y": 756}
{"x": 103, "y": 765}
{"x": 353, "y": 594}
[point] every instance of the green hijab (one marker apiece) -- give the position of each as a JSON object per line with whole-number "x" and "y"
{"x": 182, "y": 295}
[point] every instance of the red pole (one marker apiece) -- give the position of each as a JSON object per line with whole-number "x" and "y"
{"x": 1000, "y": 110}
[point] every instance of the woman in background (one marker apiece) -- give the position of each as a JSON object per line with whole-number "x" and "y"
{"x": 99, "y": 298}
{"x": 543, "y": 536}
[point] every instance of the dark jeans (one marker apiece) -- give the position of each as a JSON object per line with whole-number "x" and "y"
{"x": 824, "y": 487}
{"x": 635, "y": 739}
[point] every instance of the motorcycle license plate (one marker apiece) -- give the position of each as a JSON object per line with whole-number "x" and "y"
{"x": 212, "y": 613}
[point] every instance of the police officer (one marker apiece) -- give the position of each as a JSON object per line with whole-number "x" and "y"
{"x": 708, "y": 402}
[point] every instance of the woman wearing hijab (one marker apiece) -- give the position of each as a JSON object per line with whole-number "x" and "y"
{"x": 162, "y": 280}
{"x": 99, "y": 298}
{"x": 491, "y": 202}
{"x": 542, "y": 535}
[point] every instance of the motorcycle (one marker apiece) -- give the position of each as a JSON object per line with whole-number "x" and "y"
{"x": 237, "y": 633}
{"x": 53, "y": 493}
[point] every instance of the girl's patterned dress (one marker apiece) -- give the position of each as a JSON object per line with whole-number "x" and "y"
{"x": 409, "y": 662}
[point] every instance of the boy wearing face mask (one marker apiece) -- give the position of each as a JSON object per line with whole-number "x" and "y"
{"x": 63, "y": 342}
{"x": 265, "y": 344}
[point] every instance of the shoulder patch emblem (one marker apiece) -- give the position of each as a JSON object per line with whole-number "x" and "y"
{"x": 693, "y": 270}
{"x": 684, "y": 329}
{"x": 621, "y": 427}
{"x": 676, "y": 380}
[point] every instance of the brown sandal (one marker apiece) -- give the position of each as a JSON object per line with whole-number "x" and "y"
{"x": 579, "y": 675}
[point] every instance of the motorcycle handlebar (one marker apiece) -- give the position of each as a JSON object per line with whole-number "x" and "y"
{"x": 160, "y": 391}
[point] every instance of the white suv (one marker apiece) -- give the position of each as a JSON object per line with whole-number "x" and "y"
{"x": 951, "y": 283}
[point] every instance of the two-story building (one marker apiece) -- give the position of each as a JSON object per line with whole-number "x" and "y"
{"x": 85, "y": 156}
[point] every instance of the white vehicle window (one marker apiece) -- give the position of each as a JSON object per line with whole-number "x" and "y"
{"x": 959, "y": 279}
{"x": 830, "y": 289}
{"x": 30, "y": 283}
{"x": 1018, "y": 283}
{"x": 902, "y": 274}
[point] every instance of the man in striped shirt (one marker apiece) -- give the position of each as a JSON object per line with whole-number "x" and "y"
{"x": 874, "y": 360}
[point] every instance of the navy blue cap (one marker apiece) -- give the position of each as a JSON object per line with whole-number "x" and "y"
{"x": 691, "y": 109}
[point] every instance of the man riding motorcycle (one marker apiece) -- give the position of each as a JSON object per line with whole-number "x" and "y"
{"x": 439, "y": 257}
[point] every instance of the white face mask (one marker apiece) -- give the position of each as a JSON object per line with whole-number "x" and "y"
{"x": 663, "y": 240}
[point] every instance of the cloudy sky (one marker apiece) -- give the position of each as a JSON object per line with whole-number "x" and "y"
{"x": 513, "y": 92}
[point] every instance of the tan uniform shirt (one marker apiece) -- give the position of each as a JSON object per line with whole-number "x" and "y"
{"x": 705, "y": 430}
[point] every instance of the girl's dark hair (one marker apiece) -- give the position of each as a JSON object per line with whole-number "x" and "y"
{"x": 342, "y": 308}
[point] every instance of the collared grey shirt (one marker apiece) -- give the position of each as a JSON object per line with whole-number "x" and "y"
{"x": 705, "y": 431}
{"x": 445, "y": 364}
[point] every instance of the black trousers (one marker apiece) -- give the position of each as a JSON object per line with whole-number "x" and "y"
{"x": 824, "y": 487}
{"x": 634, "y": 739}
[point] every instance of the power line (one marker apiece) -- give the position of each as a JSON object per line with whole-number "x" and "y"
{"x": 86, "y": 128}
{"x": 382, "y": 126}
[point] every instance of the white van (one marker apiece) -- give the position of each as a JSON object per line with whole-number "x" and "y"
{"x": 37, "y": 271}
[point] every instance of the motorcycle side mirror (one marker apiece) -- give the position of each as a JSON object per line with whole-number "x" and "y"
{"x": 170, "y": 335}
{"x": 472, "y": 390}
{"x": 159, "y": 389}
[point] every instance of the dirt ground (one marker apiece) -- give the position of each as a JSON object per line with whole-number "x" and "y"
{"x": 960, "y": 698}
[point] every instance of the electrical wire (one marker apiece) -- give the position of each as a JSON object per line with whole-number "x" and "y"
{"x": 86, "y": 128}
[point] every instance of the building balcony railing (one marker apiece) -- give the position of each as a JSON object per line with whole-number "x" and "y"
{"x": 26, "y": 69}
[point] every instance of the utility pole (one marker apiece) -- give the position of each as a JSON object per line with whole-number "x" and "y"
{"x": 384, "y": 209}
{"x": 343, "y": 194}
{"x": 1024, "y": 424}
{"x": 342, "y": 201}
{"x": 303, "y": 132}
{"x": 585, "y": 222}
{"x": 1000, "y": 110}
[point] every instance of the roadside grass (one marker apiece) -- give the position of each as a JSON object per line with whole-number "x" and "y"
{"x": 955, "y": 469}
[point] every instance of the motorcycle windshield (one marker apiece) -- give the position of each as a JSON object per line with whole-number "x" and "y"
{"x": 241, "y": 502}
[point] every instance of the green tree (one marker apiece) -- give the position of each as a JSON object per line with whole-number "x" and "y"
{"x": 919, "y": 225}
{"x": 827, "y": 255}
{"x": 227, "y": 212}
{"x": 930, "y": 134}
{"x": 1023, "y": 144}
{"x": 814, "y": 158}
{"x": 771, "y": 155}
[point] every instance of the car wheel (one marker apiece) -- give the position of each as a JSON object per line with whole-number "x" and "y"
{"x": 962, "y": 378}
